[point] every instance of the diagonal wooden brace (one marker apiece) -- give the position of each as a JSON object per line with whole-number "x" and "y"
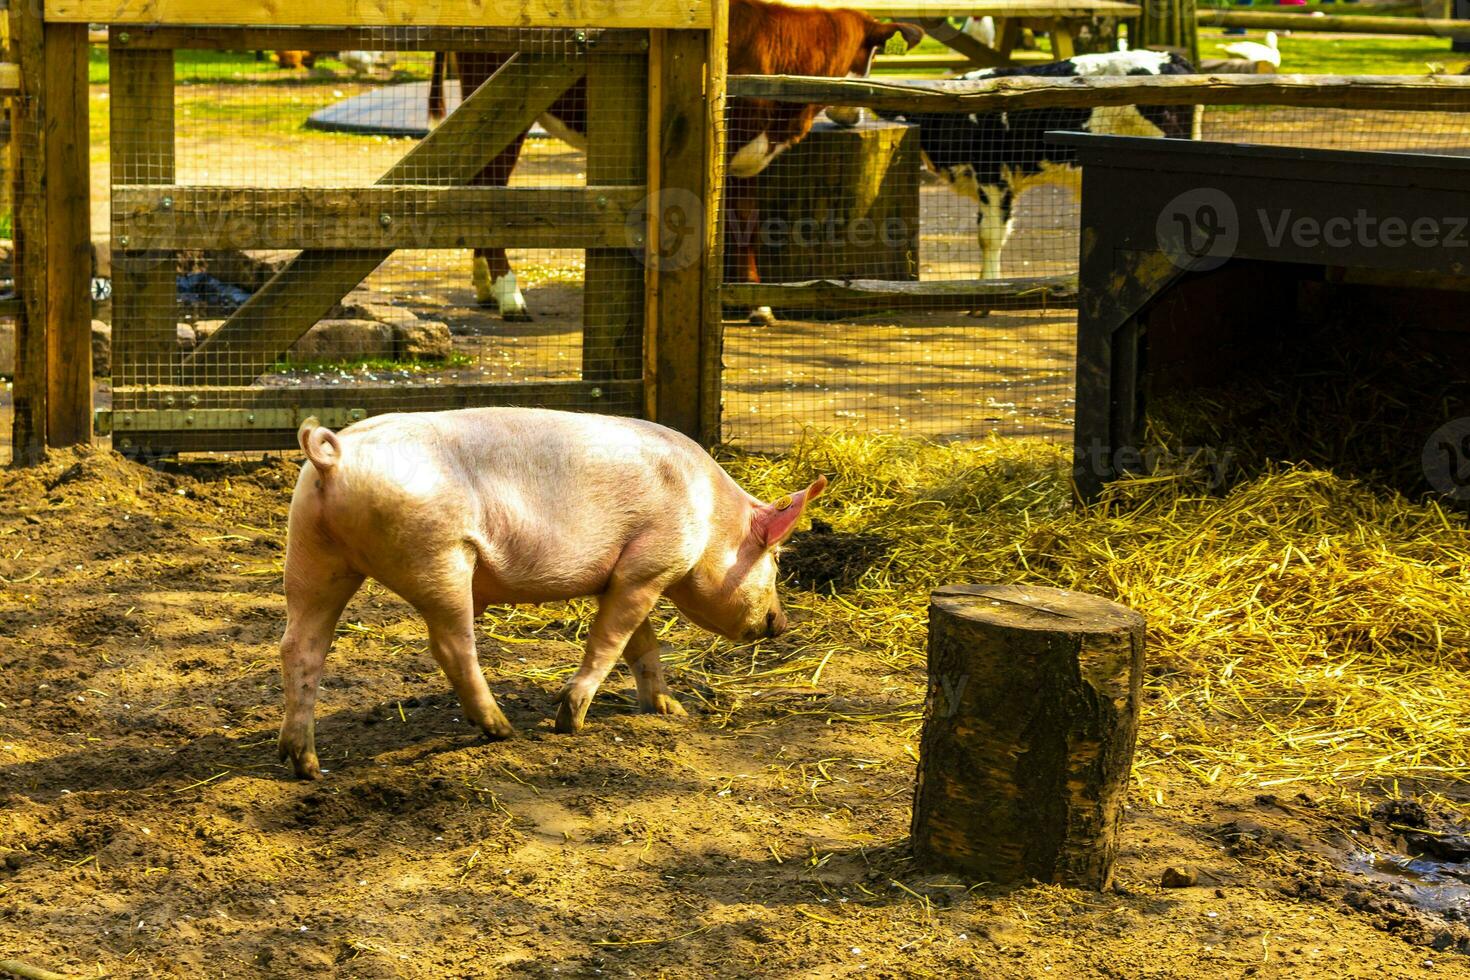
{"x": 299, "y": 295}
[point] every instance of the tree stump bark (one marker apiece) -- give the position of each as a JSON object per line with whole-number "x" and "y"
{"x": 1028, "y": 734}
{"x": 842, "y": 204}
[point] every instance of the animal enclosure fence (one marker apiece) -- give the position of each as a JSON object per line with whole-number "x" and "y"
{"x": 237, "y": 226}
{"x": 895, "y": 328}
{"x": 263, "y": 271}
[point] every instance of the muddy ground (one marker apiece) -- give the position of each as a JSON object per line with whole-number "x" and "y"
{"x": 147, "y": 829}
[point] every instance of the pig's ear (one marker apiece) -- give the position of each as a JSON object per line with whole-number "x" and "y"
{"x": 777, "y": 520}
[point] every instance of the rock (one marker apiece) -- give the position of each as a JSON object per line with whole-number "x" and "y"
{"x": 102, "y": 260}
{"x": 422, "y": 340}
{"x": 345, "y": 340}
{"x": 185, "y": 336}
{"x": 7, "y": 347}
{"x": 382, "y": 312}
{"x": 355, "y": 300}
{"x": 204, "y": 329}
{"x": 248, "y": 270}
{"x": 101, "y": 349}
{"x": 1179, "y": 878}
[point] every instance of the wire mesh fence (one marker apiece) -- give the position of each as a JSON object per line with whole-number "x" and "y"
{"x": 398, "y": 223}
{"x": 989, "y": 200}
{"x": 437, "y": 218}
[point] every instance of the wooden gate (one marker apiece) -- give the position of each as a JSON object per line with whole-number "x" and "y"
{"x": 660, "y": 319}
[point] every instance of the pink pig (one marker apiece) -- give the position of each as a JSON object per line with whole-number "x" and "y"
{"x": 457, "y": 510}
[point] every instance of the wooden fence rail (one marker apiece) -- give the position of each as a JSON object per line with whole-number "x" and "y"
{"x": 383, "y": 14}
{"x": 865, "y": 296}
{"x": 1447, "y": 93}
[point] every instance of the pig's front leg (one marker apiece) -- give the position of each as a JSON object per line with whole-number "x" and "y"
{"x": 642, "y": 658}
{"x": 621, "y": 610}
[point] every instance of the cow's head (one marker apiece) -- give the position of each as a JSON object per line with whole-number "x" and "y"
{"x": 875, "y": 39}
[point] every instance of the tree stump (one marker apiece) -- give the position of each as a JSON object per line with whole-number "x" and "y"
{"x": 1028, "y": 733}
{"x": 842, "y": 204}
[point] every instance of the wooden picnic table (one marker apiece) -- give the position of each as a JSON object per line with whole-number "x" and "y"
{"x": 1061, "y": 19}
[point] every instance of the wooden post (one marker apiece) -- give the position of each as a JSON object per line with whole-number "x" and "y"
{"x": 28, "y": 165}
{"x": 1028, "y": 734}
{"x": 1168, "y": 24}
{"x": 683, "y": 242}
{"x": 68, "y": 237}
{"x": 49, "y": 147}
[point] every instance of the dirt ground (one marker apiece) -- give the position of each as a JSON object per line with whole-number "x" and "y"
{"x": 147, "y": 829}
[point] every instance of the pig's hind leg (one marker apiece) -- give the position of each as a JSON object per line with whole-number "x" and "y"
{"x": 641, "y": 655}
{"x": 317, "y": 590}
{"x": 444, "y": 598}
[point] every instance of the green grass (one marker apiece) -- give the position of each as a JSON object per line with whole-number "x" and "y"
{"x": 1303, "y": 53}
{"x": 1307, "y": 54}
{"x": 204, "y": 67}
{"x": 372, "y": 365}
{"x": 7, "y": 225}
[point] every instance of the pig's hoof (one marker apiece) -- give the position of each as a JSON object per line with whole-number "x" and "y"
{"x": 304, "y": 762}
{"x": 664, "y": 704}
{"x": 571, "y": 710}
{"x": 497, "y": 729}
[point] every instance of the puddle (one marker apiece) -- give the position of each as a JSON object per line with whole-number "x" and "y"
{"x": 1440, "y": 887}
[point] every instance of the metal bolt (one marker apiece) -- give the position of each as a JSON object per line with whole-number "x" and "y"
{"x": 124, "y": 37}
{"x": 168, "y": 203}
{"x": 188, "y": 420}
{"x": 602, "y": 200}
{"x": 168, "y": 401}
{"x": 193, "y": 401}
{"x": 385, "y": 219}
{"x": 638, "y": 238}
{"x": 595, "y": 393}
{"x": 580, "y": 37}
{"x": 250, "y": 419}
{"x": 122, "y": 240}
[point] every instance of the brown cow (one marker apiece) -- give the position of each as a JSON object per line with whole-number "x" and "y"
{"x": 765, "y": 39}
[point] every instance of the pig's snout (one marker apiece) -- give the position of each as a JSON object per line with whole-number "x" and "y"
{"x": 775, "y": 625}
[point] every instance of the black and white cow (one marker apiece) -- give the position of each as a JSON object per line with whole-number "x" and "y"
{"x": 993, "y": 157}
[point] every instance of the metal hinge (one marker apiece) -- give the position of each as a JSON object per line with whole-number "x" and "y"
{"x": 219, "y": 419}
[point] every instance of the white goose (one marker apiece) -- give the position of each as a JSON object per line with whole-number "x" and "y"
{"x": 1259, "y": 54}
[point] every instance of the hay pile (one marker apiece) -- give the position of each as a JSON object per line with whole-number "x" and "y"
{"x": 1304, "y": 628}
